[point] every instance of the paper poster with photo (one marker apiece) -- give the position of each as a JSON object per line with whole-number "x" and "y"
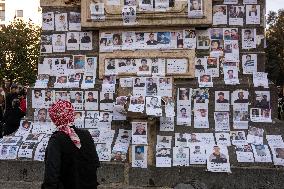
{"x": 200, "y": 66}
{"x": 11, "y": 140}
{"x": 231, "y": 75}
{"x": 106, "y": 42}
{"x": 8, "y": 152}
{"x": 177, "y": 66}
{"x": 58, "y": 42}
{"x": 79, "y": 62}
{"x": 124, "y": 136}
{"x": 153, "y": 106}
{"x": 205, "y": 80}
{"x": 212, "y": 66}
{"x": 126, "y": 66}
{"x": 161, "y": 5}
{"x": 139, "y": 156}
{"x": 222, "y": 121}
{"x": 97, "y": 11}
{"x": 139, "y": 133}
{"x": 62, "y": 95}
{"x": 248, "y": 38}
{"x": 169, "y": 106}
{"x": 74, "y": 21}
{"x": 40, "y": 150}
{"x": 240, "y": 119}
{"x": 201, "y": 115}
{"x": 128, "y": 40}
{"x": 45, "y": 66}
{"x": 164, "y": 86}
{"x": 158, "y": 67}
{"x": 95, "y": 134}
{"x": 238, "y": 138}
{"x": 46, "y": 44}
{"x": 236, "y": 15}
{"x": 34, "y": 137}
{"x": 218, "y": 159}
{"x": 140, "y": 42}
{"x": 25, "y": 128}
{"x": 76, "y": 98}
{"x": 110, "y": 67}
{"x": 177, "y": 39}
{"x": 118, "y": 156}
{"x": 223, "y": 139}
{"x": 43, "y": 127}
{"x": 184, "y": 115}
{"x": 144, "y": 67}
{"x": 262, "y": 106}
{"x": 164, "y": 141}
{"x": 261, "y": 153}
{"x": 26, "y": 150}
{"x": 117, "y": 40}
{"x": 219, "y": 14}
{"x": 231, "y": 50}
{"x": 145, "y": 5}
{"x": 167, "y": 123}
{"x": 260, "y": 79}
{"x": 59, "y": 67}
{"x": 244, "y": 153}
{"x": 91, "y": 100}
{"x": 92, "y": 115}
{"x": 61, "y": 82}
{"x": 126, "y": 82}
{"x": 38, "y": 98}
{"x": 249, "y": 63}
{"x": 86, "y": 41}
{"x": 252, "y": 14}
{"x": 130, "y": 2}
{"x": 278, "y": 155}
{"x": 91, "y": 123}
{"x": 240, "y": 97}
{"x": 200, "y": 96}
{"x": 203, "y": 40}
{"x": 137, "y": 104}
{"x": 119, "y": 112}
{"x": 41, "y": 115}
{"x": 91, "y": 66}
{"x": 104, "y": 151}
{"x": 180, "y": 139}
{"x": 129, "y": 15}
{"x": 255, "y": 136}
{"x": 195, "y": 8}
{"x": 152, "y": 86}
{"x": 139, "y": 86}
{"x": 274, "y": 140}
{"x": 230, "y": 1}
{"x": 180, "y": 156}
{"x": 216, "y": 33}
{"x": 72, "y": 41}
{"x": 106, "y": 101}
{"x": 122, "y": 147}
{"x": 109, "y": 79}
{"x": 184, "y": 97}
{"x": 189, "y": 39}
{"x": 163, "y": 157}
{"x": 48, "y": 21}
{"x": 249, "y": 2}
{"x": 217, "y": 48}
{"x": 222, "y": 101}
{"x": 61, "y": 23}
{"x": 197, "y": 154}
{"x": 163, "y": 39}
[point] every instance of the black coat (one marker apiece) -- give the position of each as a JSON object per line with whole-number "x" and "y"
{"x": 68, "y": 167}
{"x": 12, "y": 119}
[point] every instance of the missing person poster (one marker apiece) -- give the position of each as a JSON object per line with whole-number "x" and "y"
{"x": 218, "y": 159}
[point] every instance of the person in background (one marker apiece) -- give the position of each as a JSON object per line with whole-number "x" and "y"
{"x": 2, "y": 103}
{"x": 13, "y": 117}
{"x": 11, "y": 96}
{"x": 71, "y": 160}
{"x": 23, "y": 101}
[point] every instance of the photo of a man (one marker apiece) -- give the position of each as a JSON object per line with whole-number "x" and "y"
{"x": 241, "y": 98}
{"x": 72, "y": 38}
{"x": 41, "y": 115}
{"x": 217, "y": 156}
{"x": 195, "y": 5}
{"x": 221, "y": 98}
{"x": 151, "y": 40}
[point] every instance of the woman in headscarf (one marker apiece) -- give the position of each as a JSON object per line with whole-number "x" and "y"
{"x": 71, "y": 160}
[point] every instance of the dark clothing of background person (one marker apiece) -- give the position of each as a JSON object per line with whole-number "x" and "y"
{"x": 9, "y": 99}
{"x": 12, "y": 119}
{"x": 68, "y": 167}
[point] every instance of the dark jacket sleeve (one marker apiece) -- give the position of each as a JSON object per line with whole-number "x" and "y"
{"x": 52, "y": 165}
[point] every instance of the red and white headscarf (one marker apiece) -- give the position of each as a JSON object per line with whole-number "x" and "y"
{"x": 62, "y": 115}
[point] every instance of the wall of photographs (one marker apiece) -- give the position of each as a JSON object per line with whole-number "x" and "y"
{"x": 135, "y": 104}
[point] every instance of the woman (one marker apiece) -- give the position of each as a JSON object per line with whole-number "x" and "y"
{"x": 71, "y": 160}
{"x": 13, "y": 117}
